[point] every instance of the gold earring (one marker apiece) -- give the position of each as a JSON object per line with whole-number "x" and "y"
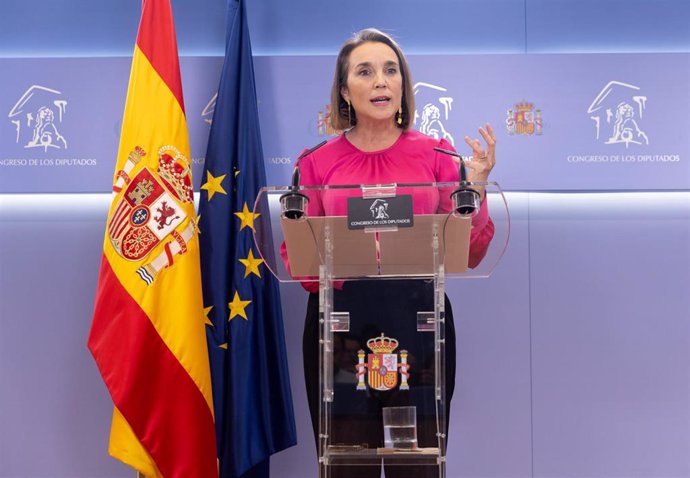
{"x": 400, "y": 115}
{"x": 349, "y": 113}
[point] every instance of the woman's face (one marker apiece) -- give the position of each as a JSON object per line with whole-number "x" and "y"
{"x": 374, "y": 82}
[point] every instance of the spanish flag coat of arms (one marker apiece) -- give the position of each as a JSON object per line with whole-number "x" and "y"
{"x": 148, "y": 336}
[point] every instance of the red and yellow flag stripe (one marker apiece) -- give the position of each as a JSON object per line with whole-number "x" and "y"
{"x": 148, "y": 339}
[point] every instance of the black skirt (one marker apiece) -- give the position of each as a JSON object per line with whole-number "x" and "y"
{"x": 377, "y": 307}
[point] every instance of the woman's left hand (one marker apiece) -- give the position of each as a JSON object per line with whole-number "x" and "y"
{"x": 483, "y": 158}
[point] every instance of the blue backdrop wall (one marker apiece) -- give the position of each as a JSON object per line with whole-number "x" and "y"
{"x": 573, "y": 357}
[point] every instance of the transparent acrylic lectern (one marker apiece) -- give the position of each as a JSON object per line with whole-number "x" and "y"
{"x": 382, "y": 309}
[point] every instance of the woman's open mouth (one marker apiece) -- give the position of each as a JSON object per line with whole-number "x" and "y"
{"x": 380, "y": 100}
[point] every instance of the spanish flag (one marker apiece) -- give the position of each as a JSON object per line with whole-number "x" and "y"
{"x": 148, "y": 334}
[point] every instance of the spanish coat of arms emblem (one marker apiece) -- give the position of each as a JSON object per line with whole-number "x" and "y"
{"x": 524, "y": 120}
{"x": 382, "y": 365}
{"x": 150, "y": 208}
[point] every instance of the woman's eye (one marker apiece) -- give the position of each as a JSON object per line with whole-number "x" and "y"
{"x": 363, "y": 72}
{"x": 392, "y": 71}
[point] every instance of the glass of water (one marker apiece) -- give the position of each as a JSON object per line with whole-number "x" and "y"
{"x": 400, "y": 427}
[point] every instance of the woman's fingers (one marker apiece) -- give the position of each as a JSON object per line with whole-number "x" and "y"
{"x": 489, "y": 137}
{"x": 483, "y": 154}
{"x": 476, "y": 145}
{"x": 487, "y": 133}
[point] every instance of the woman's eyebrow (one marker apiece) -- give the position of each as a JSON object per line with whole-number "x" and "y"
{"x": 368, "y": 63}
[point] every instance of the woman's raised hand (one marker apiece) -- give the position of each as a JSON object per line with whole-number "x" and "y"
{"x": 483, "y": 158}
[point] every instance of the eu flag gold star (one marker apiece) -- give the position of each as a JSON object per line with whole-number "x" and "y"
{"x": 213, "y": 185}
{"x": 207, "y": 321}
{"x": 237, "y": 307}
{"x": 247, "y": 217}
{"x": 251, "y": 265}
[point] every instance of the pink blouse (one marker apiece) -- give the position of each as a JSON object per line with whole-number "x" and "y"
{"x": 411, "y": 159}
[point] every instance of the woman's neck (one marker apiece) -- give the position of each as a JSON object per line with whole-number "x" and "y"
{"x": 368, "y": 136}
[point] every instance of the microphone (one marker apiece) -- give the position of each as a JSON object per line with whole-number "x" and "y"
{"x": 294, "y": 203}
{"x": 465, "y": 199}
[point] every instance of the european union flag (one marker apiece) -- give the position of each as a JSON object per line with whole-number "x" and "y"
{"x": 251, "y": 386}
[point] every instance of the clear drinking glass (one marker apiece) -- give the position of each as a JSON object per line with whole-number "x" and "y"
{"x": 400, "y": 427}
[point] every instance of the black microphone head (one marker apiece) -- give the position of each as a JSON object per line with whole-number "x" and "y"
{"x": 466, "y": 201}
{"x": 293, "y": 205}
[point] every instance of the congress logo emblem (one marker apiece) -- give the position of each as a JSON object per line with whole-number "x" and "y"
{"x": 37, "y": 117}
{"x": 434, "y": 114}
{"x": 150, "y": 209}
{"x": 617, "y": 113}
{"x": 379, "y": 209}
{"x": 207, "y": 113}
{"x": 524, "y": 120}
{"x": 382, "y": 366}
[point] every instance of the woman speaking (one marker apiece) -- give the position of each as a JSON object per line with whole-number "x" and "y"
{"x": 372, "y": 102}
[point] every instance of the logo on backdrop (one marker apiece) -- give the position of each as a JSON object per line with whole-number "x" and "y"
{"x": 323, "y": 122}
{"x": 207, "y": 113}
{"x": 524, "y": 120}
{"x": 433, "y": 107}
{"x": 382, "y": 365}
{"x": 37, "y": 117}
{"x": 617, "y": 112}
